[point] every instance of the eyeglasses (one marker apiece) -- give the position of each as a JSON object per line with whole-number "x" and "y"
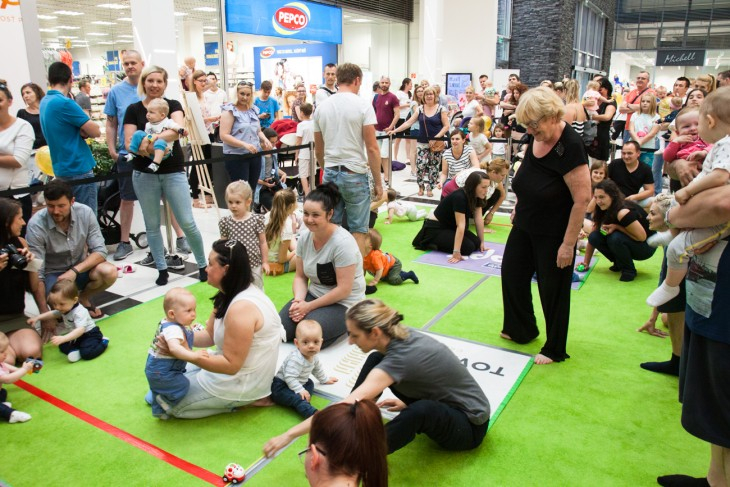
{"x": 532, "y": 125}
{"x": 303, "y": 454}
{"x": 245, "y": 83}
{"x": 201, "y": 80}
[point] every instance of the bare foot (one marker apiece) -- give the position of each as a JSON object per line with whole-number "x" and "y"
{"x": 541, "y": 359}
{"x": 488, "y": 230}
{"x": 263, "y": 402}
{"x": 505, "y": 336}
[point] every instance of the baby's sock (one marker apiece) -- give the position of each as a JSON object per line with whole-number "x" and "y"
{"x": 670, "y": 367}
{"x": 660, "y": 238}
{"x": 162, "y": 278}
{"x": 409, "y": 275}
{"x": 370, "y": 289}
{"x": 662, "y": 294}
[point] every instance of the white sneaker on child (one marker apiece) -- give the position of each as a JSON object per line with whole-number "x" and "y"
{"x": 74, "y": 356}
{"x": 19, "y": 417}
{"x": 660, "y": 238}
{"x": 163, "y": 404}
{"x": 662, "y": 294}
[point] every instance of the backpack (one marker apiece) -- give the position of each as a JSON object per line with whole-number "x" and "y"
{"x": 590, "y": 130}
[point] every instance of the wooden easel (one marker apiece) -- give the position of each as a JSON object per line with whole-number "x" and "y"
{"x": 205, "y": 183}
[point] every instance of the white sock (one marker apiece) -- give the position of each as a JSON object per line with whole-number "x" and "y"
{"x": 662, "y": 294}
{"x": 19, "y": 417}
{"x": 8, "y": 404}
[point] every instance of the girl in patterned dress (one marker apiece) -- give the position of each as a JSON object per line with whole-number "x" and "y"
{"x": 247, "y": 228}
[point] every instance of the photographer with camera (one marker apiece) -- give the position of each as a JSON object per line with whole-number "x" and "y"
{"x": 15, "y": 279}
{"x": 66, "y": 235}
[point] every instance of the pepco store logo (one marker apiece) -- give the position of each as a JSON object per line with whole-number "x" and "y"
{"x": 268, "y": 52}
{"x": 291, "y": 18}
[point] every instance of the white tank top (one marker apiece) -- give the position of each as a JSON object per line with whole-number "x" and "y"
{"x": 254, "y": 379}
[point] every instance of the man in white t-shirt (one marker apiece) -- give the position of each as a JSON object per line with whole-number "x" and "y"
{"x": 214, "y": 98}
{"x": 329, "y": 87}
{"x": 344, "y": 128}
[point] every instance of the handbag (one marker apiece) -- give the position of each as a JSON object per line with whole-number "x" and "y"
{"x": 433, "y": 145}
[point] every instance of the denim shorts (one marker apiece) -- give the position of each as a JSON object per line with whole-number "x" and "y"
{"x": 355, "y": 198}
{"x": 384, "y": 144}
{"x": 126, "y": 188}
{"x": 81, "y": 280}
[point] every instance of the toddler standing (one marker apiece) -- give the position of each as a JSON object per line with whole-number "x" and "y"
{"x": 305, "y": 135}
{"x": 8, "y": 375}
{"x": 292, "y": 386}
{"x": 79, "y": 337}
{"x": 478, "y": 140}
{"x": 157, "y": 122}
{"x": 166, "y": 371}
{"x": 381, "y": 265}
{"x": 500, "y": 148}
{"x": 247, "y": 228}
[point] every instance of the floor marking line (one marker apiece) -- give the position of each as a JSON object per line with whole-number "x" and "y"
{"x": 169, "y": 458}
{"x": 453, "y": 304}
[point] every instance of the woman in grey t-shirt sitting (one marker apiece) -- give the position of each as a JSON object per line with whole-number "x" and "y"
{"x": 435, "y": 393}
{"x": 329, "y": 277}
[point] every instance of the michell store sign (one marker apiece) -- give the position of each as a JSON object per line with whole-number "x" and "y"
{"x": 680, "y": 57}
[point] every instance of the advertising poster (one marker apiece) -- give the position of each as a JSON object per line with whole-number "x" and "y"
{"x": 212, "y": 54}
{"x": 287, "y": 66}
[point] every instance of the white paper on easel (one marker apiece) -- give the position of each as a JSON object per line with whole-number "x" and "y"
{"x": 197, "y": 116}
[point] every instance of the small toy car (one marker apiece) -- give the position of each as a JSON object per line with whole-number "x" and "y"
{"x": 37, "y": 365}
{"x": 234, "y": 473}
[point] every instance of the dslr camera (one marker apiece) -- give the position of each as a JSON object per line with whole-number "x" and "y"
{"x": 15, "y": 258}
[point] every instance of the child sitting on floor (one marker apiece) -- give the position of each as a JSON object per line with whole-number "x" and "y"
{"x": 9, "y": 375}
{"x": 292, "y": 386}
{"x": 166, "y": 371}
{"x": 381, "y": 265}
{"x": 157, "y": 122}
{"x": 78, "y": 337}
{"x": 402, "y": 208}
{"x": 714, "y": 127}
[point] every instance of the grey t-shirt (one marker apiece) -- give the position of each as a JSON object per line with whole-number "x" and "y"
{"x": 320, "y": 266}
{"x": 423, "y": 368}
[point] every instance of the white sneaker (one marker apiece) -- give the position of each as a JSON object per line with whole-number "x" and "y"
{"x": 19, "y": 417}
{"x": 660, "y": 239}
{"x": 8, "y": 404}
{"x": 74, "y": 356}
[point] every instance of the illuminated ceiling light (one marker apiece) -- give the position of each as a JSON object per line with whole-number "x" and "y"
{"x": 100, "y": 34}
{"x": 125, "y": 19}
{"x": 205, "y": 9}
{"x": 47, "y": 17}
{"x": 67, "y": 27}
{"x": 47, "y": 30}
{"x": 68, "y": 12}
{"x": 103, "y": 22}
{"x": 113, "y": 6}
{"x": 180, "y": 14}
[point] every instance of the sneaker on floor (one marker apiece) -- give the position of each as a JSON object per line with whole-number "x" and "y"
{"x": 74, "y": 356}
{"x": 182, "y": 245}
{"x": 105, "y": 341}
{"x": 148, "y": 261}
{"x": 627, "y": 276}
{"x": 19, "y": 417}
{"x": 124, "y": 250}
{"x": 175, "y": 262}
{"x": 148, "y": 398}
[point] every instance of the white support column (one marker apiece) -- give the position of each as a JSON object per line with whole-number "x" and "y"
{"x": 154, "y": 38}
{"x": 431, "y": 40}
{"x": 192, "y": 43}
{"x": 22, "y": 48}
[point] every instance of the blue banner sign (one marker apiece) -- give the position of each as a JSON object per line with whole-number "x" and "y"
{"x": 294, "y": 20}
{"x": 212, "y": 54}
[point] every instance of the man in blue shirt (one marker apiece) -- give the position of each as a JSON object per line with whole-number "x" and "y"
{"x": 120, "y": 97}
{"x": 268, "y": 106}
{"x": 65, "y": 126}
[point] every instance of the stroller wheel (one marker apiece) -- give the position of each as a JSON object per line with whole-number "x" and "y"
{"x": 140, "y": 239}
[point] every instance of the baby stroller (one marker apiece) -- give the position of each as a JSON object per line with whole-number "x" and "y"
{"x": 108, "y": 202}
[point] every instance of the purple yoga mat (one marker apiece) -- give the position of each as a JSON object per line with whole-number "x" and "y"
{"x": 489, "y": 262}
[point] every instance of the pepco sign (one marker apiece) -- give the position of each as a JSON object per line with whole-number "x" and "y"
{"x": 291, "y": 18}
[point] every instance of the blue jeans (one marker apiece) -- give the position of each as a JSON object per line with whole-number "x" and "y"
{"x": 84, "y": 193}
{"x": 657, "y": 170}
{"x": 174, "y": 186}
{"x": 621, "y": 249}
{"x": 138, "y": 137}
{"x": 247, "y": 169}
{"x": 355, "y": 198}
{"x": 166, "y": 377}
{"x": 283, "y": 396}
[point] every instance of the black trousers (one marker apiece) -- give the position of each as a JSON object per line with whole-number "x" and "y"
{"x": 433, "y": 236}
{"x": 525, "y": 254}
{"x": 447, "y": 426}
{"x": 89, "y": 345}
{"x": 193, "y": 177}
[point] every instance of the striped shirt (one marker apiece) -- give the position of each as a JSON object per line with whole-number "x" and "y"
{"x": 455, "y": 166}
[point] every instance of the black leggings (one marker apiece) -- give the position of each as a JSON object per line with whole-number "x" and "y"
{"x": 447, "y": 426}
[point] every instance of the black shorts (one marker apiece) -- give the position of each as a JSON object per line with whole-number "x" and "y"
{"x": 679, "y": 302}
{"x": 400, "y": 122}
{"x": 704, "y": 388}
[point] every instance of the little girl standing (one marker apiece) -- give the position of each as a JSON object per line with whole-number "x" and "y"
{"x": 499, "y": 148}
{"x": 247, "y": 228}
{"x": 643, "y": 129}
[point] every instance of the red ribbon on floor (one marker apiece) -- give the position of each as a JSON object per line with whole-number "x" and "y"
{"x": 178, "y": 462}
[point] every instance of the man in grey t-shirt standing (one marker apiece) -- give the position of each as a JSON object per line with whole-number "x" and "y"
{"x": 344, "y": 130}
